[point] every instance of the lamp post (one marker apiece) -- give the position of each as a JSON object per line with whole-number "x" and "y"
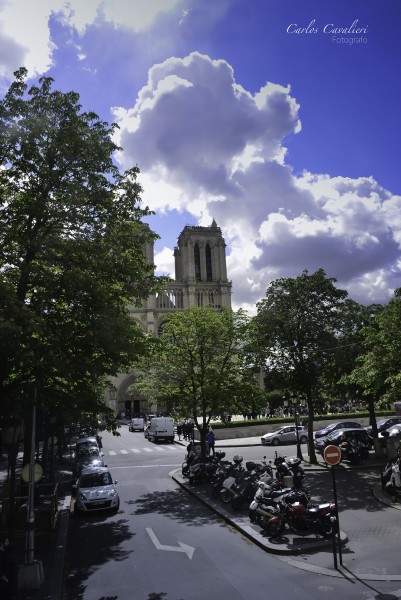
{"x": 294, "y": 403}
{"x": 11, "y": 431}
{"x": 30, "y": 574}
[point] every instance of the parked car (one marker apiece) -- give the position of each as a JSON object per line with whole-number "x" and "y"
{"x": 85, "y": 442}
{"x": 384, "y": 424}
{"x": 342, "y": 435}
{"x": 96, "y": 490}
{"x": 333, "y": 426}
{"x": 86, "y": 456}
{"x": 285, "y": 435}
{"x": 393, "y": 431}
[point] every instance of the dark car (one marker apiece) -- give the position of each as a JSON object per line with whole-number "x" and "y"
{"x": 384, "y": 424}
{"x": 342, "y": 435}
{"x": 88, "y": 456}
{"x": 333, "y": 426}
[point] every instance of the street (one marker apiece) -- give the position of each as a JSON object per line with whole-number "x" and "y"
{"x": 163, "y": 544}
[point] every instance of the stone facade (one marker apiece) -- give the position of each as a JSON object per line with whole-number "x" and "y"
{"x": 200, "y": 280}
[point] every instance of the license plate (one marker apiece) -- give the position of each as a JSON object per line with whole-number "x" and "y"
{"x": 97, "y": 502}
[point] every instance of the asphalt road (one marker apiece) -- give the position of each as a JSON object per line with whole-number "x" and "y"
{"x": 164, "y": 545}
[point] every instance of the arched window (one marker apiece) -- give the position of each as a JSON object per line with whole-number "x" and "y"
{"x": 197, "y": 262}
{"x": 209, "y": 274}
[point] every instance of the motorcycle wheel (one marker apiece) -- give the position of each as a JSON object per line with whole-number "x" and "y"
{"x": 253, "y": 516}
{"x": 297, "y": 525}
{"x": 275, "y": 529}
{"x": 225, "y": 496}
{"x": 185, "y": 470}
{"x": 325, "y": 526}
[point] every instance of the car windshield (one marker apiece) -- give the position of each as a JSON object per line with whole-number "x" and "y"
{"x": 89, "y": 480}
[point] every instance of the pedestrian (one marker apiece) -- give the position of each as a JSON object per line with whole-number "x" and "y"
{"x": 211, "y": 439}
{"x": 179, "y": 431}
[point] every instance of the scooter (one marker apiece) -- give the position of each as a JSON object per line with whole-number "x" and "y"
{"x": 225, "y": 469}
{"x": 351, "y": 451}
{"x": 201, "y": 471}
{"x": 193, "y": 455}
{"x": 392, "y": 478}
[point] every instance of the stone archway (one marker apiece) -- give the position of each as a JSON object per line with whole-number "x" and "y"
{"x": 131, "y": 401}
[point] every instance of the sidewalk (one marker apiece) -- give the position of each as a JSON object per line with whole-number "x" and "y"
{"x": 49, "y": 544}
{"x": 369, "y": 549}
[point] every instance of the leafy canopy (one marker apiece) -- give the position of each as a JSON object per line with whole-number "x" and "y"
{"x": 198, "y": 365}
{"x": 71, "y": 251}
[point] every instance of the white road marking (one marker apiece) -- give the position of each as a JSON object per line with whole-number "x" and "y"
{"x": 189, "y": 550}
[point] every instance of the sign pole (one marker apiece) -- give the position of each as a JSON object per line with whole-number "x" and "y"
{"x": 332, "y": 456}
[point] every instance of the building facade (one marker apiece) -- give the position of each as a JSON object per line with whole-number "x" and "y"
{"x": 200, "y": 280}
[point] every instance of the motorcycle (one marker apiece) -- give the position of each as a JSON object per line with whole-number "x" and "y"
{"x": 266, "y": 500}
{"x": 351, "y": 451}
{"x": 244, "y": 486}
{"x": 391, "y": 478}
{"x": 204, "y": 470}
{"x": 225, "y": 469}
{"x": 318, "y": 519}
{"x": 193, "y": 455}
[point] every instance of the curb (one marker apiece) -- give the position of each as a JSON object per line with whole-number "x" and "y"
{"x": 286, "y": 554}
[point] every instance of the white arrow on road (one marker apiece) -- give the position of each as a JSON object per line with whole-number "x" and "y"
{"x": 181, "y": 548}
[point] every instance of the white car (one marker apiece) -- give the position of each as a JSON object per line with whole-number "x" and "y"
{"x": 96, "y": 490}
{"x": 394, "y": 431}
{"x": 285, "y": 435}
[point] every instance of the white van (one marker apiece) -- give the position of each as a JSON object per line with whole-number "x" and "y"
{"x": 161, "y": 428}
{"x": 137, "y": 424}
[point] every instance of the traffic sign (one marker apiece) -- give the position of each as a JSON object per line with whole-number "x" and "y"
{"x": 332, "y": 454}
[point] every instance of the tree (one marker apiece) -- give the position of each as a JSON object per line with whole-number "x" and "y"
{"x": 378, "y": 369}
{"x": 295, "y": 331}
{"x": 71, "y": 253}
{"x": 198, "y": 365}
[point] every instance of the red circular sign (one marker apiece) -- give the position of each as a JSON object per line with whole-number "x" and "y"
{"x": 332, "y": 454}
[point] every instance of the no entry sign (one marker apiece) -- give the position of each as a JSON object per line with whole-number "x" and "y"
{"x": 332, "y": 454}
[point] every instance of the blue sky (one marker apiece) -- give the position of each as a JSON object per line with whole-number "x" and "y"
{"x": 280, "y": 119}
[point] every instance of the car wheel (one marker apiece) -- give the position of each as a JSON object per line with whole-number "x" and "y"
{"x": 303, "y": 440}
{"x": 276, "y": 442}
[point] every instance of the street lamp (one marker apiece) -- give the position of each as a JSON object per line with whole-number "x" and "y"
{"x": 11, "y": 432}
{"x": 294, "y": 403}
{"x": 30, "y": 574}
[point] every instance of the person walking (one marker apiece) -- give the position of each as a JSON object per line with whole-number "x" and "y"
{"x": 211, "y": 439}
{"x": 179, "y": 431}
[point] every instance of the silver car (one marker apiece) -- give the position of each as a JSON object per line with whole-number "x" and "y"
{"x": 96, "y": 490}
{"x": 285, "y": 435}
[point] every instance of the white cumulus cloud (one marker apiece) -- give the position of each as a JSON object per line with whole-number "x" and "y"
{"x": 196, "y": 129}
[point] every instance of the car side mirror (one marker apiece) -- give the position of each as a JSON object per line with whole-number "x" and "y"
{"x": 115, "y": 481}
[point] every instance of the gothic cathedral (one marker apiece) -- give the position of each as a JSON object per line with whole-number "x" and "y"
{"x": 200, "y": 280}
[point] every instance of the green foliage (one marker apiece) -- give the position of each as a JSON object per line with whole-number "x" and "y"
{"x": 199, "y": 366}
{"x": 296, "y": 331}
{"x": 378, "y": 370}
{"x": 71, "y": 252}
